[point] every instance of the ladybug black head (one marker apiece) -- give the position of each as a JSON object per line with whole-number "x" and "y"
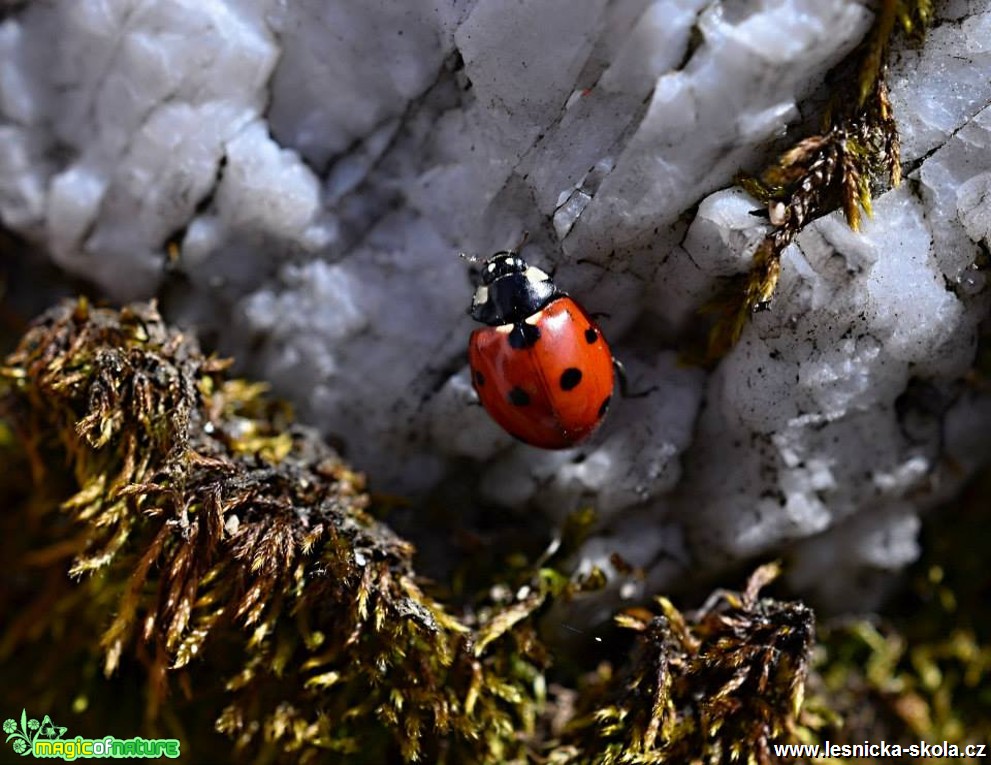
{"x": 502, "y": 264}
{"x": 511, "y": 290}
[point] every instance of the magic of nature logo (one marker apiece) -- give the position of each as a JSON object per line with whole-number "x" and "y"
{"x": 29, "y": 736}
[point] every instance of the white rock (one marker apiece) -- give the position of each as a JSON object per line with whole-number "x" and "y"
{"x": 24, "y": 172}
{"x": 955, "y": 59}
{"x": 323, "y": 161}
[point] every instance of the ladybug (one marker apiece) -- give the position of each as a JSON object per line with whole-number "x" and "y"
{"x": 541, "y": 367}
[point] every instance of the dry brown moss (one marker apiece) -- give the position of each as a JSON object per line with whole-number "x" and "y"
{"x": 722, "y": 685}
{"x": 856, "y": 152}
{"x": 182, "y": 560}
{"x": 225, "y": 555}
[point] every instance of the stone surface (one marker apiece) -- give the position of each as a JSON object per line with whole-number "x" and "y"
{"x": 320, "y": 165}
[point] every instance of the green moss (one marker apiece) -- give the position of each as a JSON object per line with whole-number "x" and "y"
{"x": 183, "y": 560}
{"x": 856, "y": 151}
{"x": 218, "y": 552}
{"x": 724, "y": 684}
{"x": 922, "y": 672}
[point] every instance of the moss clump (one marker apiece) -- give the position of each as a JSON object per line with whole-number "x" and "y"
{"x": 722, "y": 685}
{"x": 923, "y": 671}
{"x": 224, "y": 555}
{"x": 183, "y": 561}
{"x": 857, "y": 150}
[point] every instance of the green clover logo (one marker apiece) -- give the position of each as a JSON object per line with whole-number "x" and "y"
{"x": 30, "y": 730}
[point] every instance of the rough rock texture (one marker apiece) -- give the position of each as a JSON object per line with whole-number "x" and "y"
{"x": 320, "y": 163}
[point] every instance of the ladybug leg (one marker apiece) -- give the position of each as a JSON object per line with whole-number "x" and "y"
{"x": 475, "y": 278}
{"x": 473, "y": 399}
{"x": 624, "y": 382}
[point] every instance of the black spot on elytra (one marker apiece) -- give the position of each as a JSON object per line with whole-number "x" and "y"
{"x": 523, "y": 336}
{"x": 519, "y": 397}
{"x": 570, "y": 377}
{"x": 479, "y": 379}
{"x": 605, "y": 406}
{"x": 591, "y": 335}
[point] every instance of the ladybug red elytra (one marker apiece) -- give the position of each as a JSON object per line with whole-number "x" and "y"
{"x": 541, "y": 368}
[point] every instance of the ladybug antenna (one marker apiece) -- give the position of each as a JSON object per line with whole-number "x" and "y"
{"x": 469, "y": 258}
{"x": 521, "y": 244}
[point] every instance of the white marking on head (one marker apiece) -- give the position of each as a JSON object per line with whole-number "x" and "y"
{"x": 534, "y": 274}
{"x": 481, "y": 295}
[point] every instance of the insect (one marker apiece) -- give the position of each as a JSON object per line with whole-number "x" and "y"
{"x": 541, "y": 367}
